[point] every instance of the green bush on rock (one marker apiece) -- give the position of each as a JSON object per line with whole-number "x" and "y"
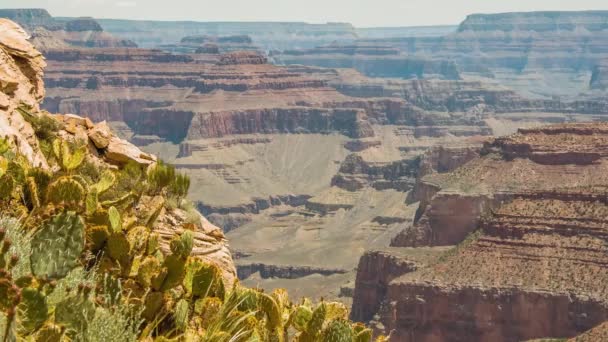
{"x": 80, "y": 260}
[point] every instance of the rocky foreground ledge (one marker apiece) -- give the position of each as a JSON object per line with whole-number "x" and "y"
{"x": 21, "y": 90}
{"x": 529, "y": 219}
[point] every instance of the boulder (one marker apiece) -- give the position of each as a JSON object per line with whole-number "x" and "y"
{"x": 121, "y": 151}
{"x": 100, "y": 134}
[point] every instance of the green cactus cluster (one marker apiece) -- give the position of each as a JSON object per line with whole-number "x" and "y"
{"x": 95, "y": 261}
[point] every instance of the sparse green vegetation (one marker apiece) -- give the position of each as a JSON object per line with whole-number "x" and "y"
{"x": 80, "y": 260}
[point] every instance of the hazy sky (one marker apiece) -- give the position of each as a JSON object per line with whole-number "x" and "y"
{"x": 361, "y": 13}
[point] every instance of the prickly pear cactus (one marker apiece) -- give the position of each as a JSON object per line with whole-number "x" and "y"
{"x": 105, "y": 182}
{"x": 49, "y": 333}
{"x": 57, "y": 246}
{"x": 153, "y": 304}
{"x": 75, "y": 312}
{"x": 6, "y": 187}
{"x": 119, "y": 248}
{"x": 97, "y": 236}
{"x": 91, "y": 202}
{"x": 362, "y": 334}
{"x": 273, "y": 313}
{"x": 138, "y": 237}
{"x": 315, "y": 325}
{"x": 338, "y": 330}
{"x": 176, "y": 269}
{"x": 181, "y": 315}
{"x": 300, "y": 317}
{"x": 65, "y": 190}
{"x": 335, "y": 310}
{"x": 147, "y": 270}
{"x": 10, "y": 295}
{"x": 115, "y": 220}
{"x": 32, "y": 193}
{"x": 32, "y": 311}
{"x": 69, "y": 160}
{"x": 182, "y": 246}
{"x": 204, "y": 280}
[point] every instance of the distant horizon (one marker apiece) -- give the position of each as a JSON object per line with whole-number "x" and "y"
{"x": 359, "y": 13}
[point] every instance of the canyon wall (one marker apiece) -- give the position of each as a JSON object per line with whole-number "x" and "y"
{"x": 49, "y": 32}
{"x": 371, "y": 60}
{"x": 599, "y": 78}
{"x": 528, "y": 220}
{"x": 269, "y": 35}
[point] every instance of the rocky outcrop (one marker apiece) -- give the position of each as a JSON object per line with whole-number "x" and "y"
{"x": 350, "y": 122}
{"x": 187, "y": 149}
{"x": 371, "y": 60}
{"x": 531, "y": 243}
{"x": 356, "y": 174}
{"x": 563, "y": 42}
{"x": 599, "y": 77}
{"x": 284, "y": 272}
{"x": 49, "y": 32}
{"x": 444, "y": 159}
{"x": 468, "y": 100}
{"x": 542, "y": 21}
{"x": 242, "y": 57}
{"x": 573, "y": 144}
{"x": 232, "y": 217}
{"x": 29, "y": 17}
{"x": 207, "y": 44}
{"x": 21, "y": 90}
{"x": 268, "y": 35}
{"x": 375, "y": 271}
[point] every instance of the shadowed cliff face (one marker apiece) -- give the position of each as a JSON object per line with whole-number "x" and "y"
{"x": 528, "y": 216}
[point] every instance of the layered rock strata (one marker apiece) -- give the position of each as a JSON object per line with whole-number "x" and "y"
{"x": 49, "y": 32}
{"x": 205, "y": 44}
{"x": 529, "y": 220}
{"x": 371, "y": 60}
{"x": 356, "y": 174}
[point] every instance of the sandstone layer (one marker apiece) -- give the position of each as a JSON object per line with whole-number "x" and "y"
{"x": 372, "y": 60}
{"x": 49, "y": 32}
{"x": 542, "y": 53}
{"x": 528, "y": 218}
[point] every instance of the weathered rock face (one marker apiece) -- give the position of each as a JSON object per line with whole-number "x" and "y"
{"x": 563, "y": 42}
{"x": 232, "y": 217}
{"x": 375, "y": 271}
{"x": 275, "y": 100}
{"x": 49, "y": 32}
{"x": 356, "y": 174}
{"x": 534, "y": 266}
{"x": 268, "y": 35}
{"x": 29, "y": 17}
{"x": 371, "y": 60}
{"x": 283, "y": 272}
{"x": 471, "y": 98}
{"x": 206, "y": 44}
{"x": 21, "y": 88}
{"x": 536, "y": 21}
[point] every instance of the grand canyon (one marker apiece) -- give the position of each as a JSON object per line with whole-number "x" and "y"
{"x": 445, "y": 183}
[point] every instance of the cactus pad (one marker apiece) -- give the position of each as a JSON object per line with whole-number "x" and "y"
{"x": 33, "y": 310}
{"x": 57, "y": 246}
